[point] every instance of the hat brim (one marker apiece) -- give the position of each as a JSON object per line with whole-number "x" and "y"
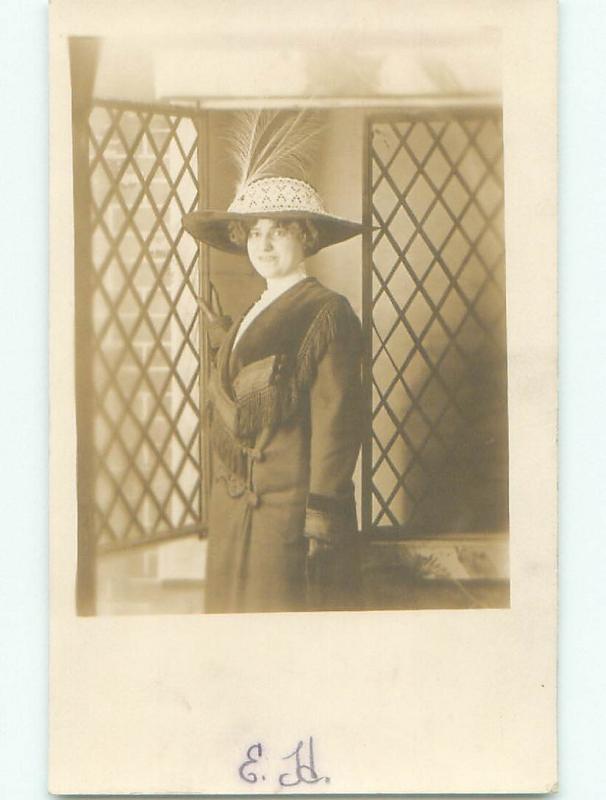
{"x": 212, "y": 227}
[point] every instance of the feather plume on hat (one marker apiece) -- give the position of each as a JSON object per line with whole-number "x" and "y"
{"x": 271, "y": 144}
{"x": 273, "y": 153}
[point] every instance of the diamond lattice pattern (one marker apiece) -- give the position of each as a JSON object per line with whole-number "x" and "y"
{"x": 145, "y": 361}
{"x": 438, "y": 348}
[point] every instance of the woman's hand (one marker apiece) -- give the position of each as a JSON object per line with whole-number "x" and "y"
{"x": 319, "y": 561}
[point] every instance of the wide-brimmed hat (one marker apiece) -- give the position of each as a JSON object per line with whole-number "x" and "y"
{"x": 271, "y": 198}
{"x": 273, "y": 151}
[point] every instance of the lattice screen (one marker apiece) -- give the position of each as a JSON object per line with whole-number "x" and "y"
{"x": 435, "y": 315}
{"x": 145, "y": 358}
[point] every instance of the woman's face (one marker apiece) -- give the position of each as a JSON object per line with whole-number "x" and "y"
{"x": 275, "y": 248}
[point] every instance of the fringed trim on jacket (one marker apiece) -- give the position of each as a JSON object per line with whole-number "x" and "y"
{"x": 335, "y": 319}
{"x": 267, "y": 407}
{"x": 228, "y": 447}
{"x": 280, "y": 400}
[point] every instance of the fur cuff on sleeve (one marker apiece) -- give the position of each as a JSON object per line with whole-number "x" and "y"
{"x": 329, "y": 519}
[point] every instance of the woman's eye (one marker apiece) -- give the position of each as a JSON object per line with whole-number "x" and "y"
{"x": 279, "y": 232}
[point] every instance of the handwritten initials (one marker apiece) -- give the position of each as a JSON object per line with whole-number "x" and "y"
{"x": 253, "y": 754}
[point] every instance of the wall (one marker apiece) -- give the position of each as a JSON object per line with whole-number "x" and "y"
{"x": 431, "y": 63}
{"x": 165, "y": 578}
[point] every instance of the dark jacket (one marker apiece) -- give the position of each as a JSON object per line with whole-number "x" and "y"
{"x": 285, "y": 423}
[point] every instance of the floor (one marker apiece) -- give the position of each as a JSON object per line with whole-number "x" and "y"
{"x": 169, "y": 578}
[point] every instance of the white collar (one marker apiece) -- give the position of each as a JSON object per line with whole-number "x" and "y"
{"x": 277, "y": 286}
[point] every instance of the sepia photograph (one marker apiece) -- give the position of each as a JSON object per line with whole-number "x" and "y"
{"x": 290, "y": 329}
{"x": 303, "y": 397}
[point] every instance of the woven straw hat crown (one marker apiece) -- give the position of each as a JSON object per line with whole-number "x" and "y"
{"x": 277, "y": 194}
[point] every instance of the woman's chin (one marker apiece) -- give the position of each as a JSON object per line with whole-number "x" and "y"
{"x": 265, "y": 274}
{"x": 268, "y": 270}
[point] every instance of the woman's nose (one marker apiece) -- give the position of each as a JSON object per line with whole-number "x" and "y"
{"x": 266, "y": 243}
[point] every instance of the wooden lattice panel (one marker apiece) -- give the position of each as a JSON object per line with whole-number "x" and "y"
{"x": 435, "y": 321}
{"x": 145, "y": 354}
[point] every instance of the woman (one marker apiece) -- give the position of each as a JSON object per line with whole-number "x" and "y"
{"x": 284, "y": 413}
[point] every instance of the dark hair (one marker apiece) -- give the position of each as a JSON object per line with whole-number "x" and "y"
{"x": 307, "y": 231}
